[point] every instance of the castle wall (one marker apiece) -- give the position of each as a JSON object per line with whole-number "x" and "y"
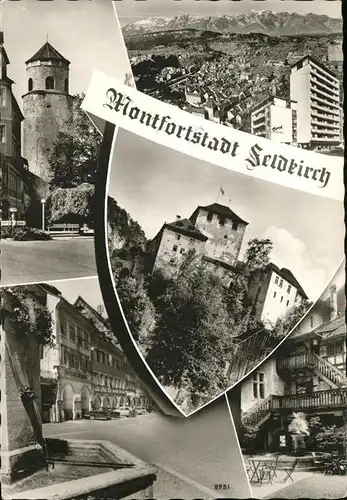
{"x": 168, "y": 258}
{"x": 46, "y": 113}
{"x": 224, "y": 242}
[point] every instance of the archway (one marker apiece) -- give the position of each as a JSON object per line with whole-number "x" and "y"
{"x": 96, "y": 402}
{"x": 67, "y": 402}
{"x": 121, "y": 402}
{"x": 114, "y": 402}
{"x": 106, "y": 403}
{"x": 85, "y": 395}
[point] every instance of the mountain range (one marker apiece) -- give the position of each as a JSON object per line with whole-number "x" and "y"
{"x": 263, "y": 21}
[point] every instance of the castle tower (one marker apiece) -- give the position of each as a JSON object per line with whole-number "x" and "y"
{"x": 47, "y": 107}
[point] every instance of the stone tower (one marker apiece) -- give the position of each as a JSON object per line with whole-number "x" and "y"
{"x": 47, "y": 107}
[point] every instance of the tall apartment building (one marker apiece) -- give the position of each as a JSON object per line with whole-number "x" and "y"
{"x": 317, "y": 92}
{"x": 275, "y": 118}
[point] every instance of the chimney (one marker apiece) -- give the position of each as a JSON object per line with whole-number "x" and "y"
{"x": 333, "y": 302}
{"x": 178, "y": 217}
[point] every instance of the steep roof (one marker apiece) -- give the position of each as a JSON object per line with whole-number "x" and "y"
{"x": 288, "y": 276}
{"x": 223, "y": 210}
{"x": 187, "y": 228}
{"x": 333, "y": 328}
{"x": 47, "y": 53}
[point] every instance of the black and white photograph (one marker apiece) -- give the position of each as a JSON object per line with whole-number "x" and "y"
{"x": 212, "y": 268}
{"x": 49, "y": 148}
{"x": 290, "y": 413}
{"x": 272, "y": 68}
{"x": 76, "y": 418}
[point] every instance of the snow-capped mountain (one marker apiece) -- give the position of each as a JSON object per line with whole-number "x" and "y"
{"x": 263, "y": 21}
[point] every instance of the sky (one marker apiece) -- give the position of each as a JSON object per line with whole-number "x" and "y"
{"x": 130, "y": 10}
{"x": 154, "y": 184}
{"x": 85, "y": 32}
{"x": 87, "y": 288}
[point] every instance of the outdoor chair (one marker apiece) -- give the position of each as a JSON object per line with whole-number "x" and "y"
{"x": 269, "y": 469}
{"x": 288, "y": 466}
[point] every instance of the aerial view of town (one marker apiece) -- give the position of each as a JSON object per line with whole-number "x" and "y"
{"x": 275, "y": 75}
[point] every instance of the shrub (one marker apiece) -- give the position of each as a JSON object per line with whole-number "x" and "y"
{"x": 24, "y": 233}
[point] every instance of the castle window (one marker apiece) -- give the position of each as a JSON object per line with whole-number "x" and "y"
{"x": 66, "y": 85}
{"x": 174, "y": 248}
{"x": 235, "y": 226}
{"x": 221, "y": 220}
{"x": 30, "y": 84}
{"x": 172, "y": 261}
{"x": 289, "y": 288}
{"x": 225, "y": 236}
{"x": 276, "y": 280}
{"x": 49, "y": 83}
{"x": 275, "y": 293}
{"x": 209, "y": 217}
{"x": 178, "y": 236}
{"x": 287, "y": 303}
{"x": 281, "y": 283}
{"x": 182, "y": 250}
{"x": 282, "y": 298}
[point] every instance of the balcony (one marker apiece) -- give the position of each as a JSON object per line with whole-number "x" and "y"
{"x": 320, "y": 400}
{"x": 295, "y": 362}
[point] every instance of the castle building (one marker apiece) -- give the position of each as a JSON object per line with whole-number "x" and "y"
{"x": 274, "y": 293}
{"x": 275, "y": 118}
{"x": 214, "y": 231}
{"x": 47, "y": 107}
{"x": 13, "y": 166}
{"x": 316, "y": 90}
{"x": 307, "y": 374}
{"x": 86, "y": 368}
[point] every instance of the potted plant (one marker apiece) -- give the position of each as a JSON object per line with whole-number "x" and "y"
{"x": 299, "y": 430}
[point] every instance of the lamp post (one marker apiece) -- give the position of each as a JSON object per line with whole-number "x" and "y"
{"x": 43, "y": 201}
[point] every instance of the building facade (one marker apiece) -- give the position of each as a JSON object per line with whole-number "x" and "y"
{"x": 214, "y": 231}
{"x": 13, "y": 166}
{"x": 85, "y": 369}
{"x": 316, "y": 90}
{"x": 307, "y": 374}
{"x": 275, "y": 119}
{"x": 47, "y": 107}
{"x": 274, "y": 292}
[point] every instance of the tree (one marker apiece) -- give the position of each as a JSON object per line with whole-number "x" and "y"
{"x": 257, "y": 255}
{"x": 285, "y": 325}
{"x": 138, "y": 310}
{"x": 73, "y": 205}
{"x": 331, "y": 438}
{"x": 75, "y": 155}
{"x": 193, "y": 334}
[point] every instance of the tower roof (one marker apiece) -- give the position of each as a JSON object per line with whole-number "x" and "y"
{"x": 47, "y": 53}
{"x": 223, "y": 210}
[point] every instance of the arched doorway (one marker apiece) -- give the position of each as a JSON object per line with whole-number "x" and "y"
{"x": 85, "y": 395}
{"x": 114, "y": 402}
{"x": 67, "y": 403}
{"x": 96, "y": 402}
{"x": 121, "y": 402}
{"x": 106, "y": 403}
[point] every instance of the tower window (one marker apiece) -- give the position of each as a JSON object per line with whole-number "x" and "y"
{"x": 209, "y": 216}
{"x": 66, "y": 85}
{"x": 221, "y": 220}
{"x": 235, "y": 226}
{"x": 49, "y": 83}
{"x": 30, "y": 84}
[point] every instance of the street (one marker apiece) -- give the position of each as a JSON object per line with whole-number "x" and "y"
{"x": 192, "y": 455}
{"x": 37, "y": 261}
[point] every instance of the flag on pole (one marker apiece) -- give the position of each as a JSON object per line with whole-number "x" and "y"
{"x": 222, "y": 190}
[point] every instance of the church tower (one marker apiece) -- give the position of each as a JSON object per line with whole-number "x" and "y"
{"x": 47, "y": 107}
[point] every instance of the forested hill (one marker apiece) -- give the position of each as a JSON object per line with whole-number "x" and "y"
{"x": 123, "y": 232}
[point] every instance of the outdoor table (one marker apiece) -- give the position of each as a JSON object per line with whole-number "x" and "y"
{"x": 257, "y": 464}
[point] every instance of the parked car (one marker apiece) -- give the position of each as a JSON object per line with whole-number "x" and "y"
{"x": 141, "y": 410}
{"x": 85, "y": 230}
{"x": 124, "y": 411}
{"x": 98, "y": 415}
{"x": 115, "y": 414}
